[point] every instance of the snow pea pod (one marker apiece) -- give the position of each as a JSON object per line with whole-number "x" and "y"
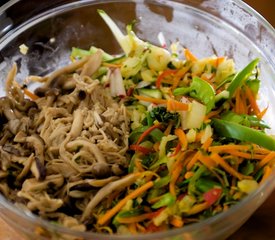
{"x": 200, "y": 90}
{"x": 244, "y": 119}
{"x": 237, "y": 131}
{"x": 241, "y": 77}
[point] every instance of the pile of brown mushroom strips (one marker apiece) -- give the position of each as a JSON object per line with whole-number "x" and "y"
{"x": 64, "y": 152}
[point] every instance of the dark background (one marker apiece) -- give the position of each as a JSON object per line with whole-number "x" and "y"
{"x": 265, "y": 7}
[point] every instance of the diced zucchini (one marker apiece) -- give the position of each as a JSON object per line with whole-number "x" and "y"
{"x": 154, "y": 93}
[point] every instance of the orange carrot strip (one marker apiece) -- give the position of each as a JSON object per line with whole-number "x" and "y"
{"x": 238, "y": 101}
{"x": 260, "y": 150}
{"x": 164, "y": 74}
{"x": 246, "y": 155}
{"x": 109, "y": 214}
{"x": 207, "y": 161}
{"x": 219, "y": 60}
{"x": 150, "y": 99}
{"x": 179, "y": 159}
{"x": 31, "y": 95}
{"x": 174, "y": 105}
{"x": 138, "y": 165}
{"x": 168, "y": 81}
{"x": 207, "y": 143}
{"x": 177, "y": 221}
{"x": 212, "y": 114}
{"x": 219, "y": 160}
{"x": 193, "y": 160}
{"x": 168, "y": 129}
{"x": 242, "y": 103}
{"x": 182, "y": 137}
{"x": 177, "y": 149}
{"x": 179, "y": 75}
{"x": 267, "y": 172}
{"x": 174, "y": 176}
{"x": 244, "y": 106}
{"x": 188, "y": 174}
{"x": 262, "y": 113}
{"x": 156, "y": 146}
{"x": 147, "y": 132}
{"x": 189, "y": 55}
{"x": 229, "y": 147}
{"x": 198, "y": 208}
{"x": 132, "y": 228}
{"x": 252, "y": 100}
{"x": 265, "y": 160}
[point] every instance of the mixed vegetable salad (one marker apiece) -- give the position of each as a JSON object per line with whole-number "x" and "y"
{"x": 197, "y": 143}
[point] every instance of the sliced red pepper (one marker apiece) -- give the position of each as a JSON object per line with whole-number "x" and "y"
{"x": 141, "y": 149}
{"x": 147, "y": 132}
{"x": 177, "y": 149}
{"x": 130, "y": 91}
{"x": 163, "y": 75}
{"x": 212, "y": 195}
{"x": 156, "y": 213}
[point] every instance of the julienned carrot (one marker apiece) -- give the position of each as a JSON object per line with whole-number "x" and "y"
{"x": 252, "y": 100}
{"x": 229, "y": 147}
{"x": 188, "y": 174}
{"x": 138, "y": 165}
{"x": 150, "y": 99}
{"x": 166, "y": 73}
{"x": 193, "y": 160}
{"x": 175, "y": 106}
{"x": 177, "y": 149}
{"x": 240, "y": 107}
{"x": 109, "y": 214}
{"x": 177, "y": 221}
{"x": 219, "y": 160}
{"x": 266, "y": 159}
{"x": 207, "y": 161}
{"x": 197, "y": 208}
{"x": 179, "y": 160}
{"x": 179, "y": 75}
{"x": 174, "y": 177}
{"x": 267, "y": 172}
{"x": 262, "y": 113}
{"x": 168, "y": 129}
{"x": 132, "y": 228}
{"x": 147, "y": 132}
{"x": 189, "y": 55}
{"x": 260, "y": 150}
{"x": 237, "y": 102}
{"x": 31, "y": 95}
{"x": 246, "y": 155}
{"x": 219, "y": 60}
{"x": 212, "y": 114}
{"x": 182, "y": 137}
{"x": 207, "y": 143}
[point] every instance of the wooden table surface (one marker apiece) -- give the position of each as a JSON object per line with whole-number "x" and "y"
{"x": 261, "y": 226}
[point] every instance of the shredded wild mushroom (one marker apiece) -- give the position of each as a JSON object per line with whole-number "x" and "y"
{"x": 59, "y": 150}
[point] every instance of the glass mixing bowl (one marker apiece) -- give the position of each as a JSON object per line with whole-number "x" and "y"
{"x": 50, "y": 29}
